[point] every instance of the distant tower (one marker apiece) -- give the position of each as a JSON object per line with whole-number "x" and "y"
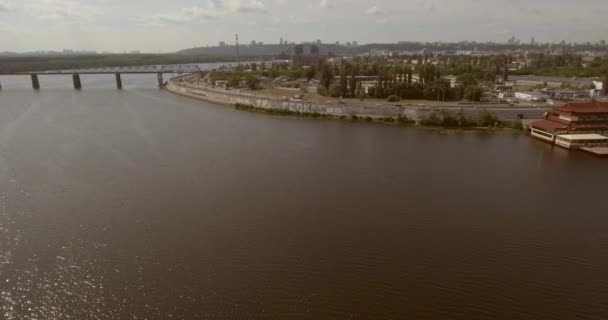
{"x": 238, "y": 55}
{"x": 533, "y": 41}
{"x": 281, "y": 41}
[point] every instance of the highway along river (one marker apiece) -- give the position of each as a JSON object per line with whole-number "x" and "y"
{"x": 139, "y": 204}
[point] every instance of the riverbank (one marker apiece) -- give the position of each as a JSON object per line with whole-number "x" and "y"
{"x": 389, "y": 113}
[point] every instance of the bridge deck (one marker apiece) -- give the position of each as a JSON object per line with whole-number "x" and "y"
{"x": 149, "y": 69}
{"x": 92, "y": 72}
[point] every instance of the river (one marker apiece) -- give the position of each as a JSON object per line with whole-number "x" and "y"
{"x": 139, "y": 204}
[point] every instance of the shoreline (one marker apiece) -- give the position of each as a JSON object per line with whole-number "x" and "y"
{"x": 398, "y": 116}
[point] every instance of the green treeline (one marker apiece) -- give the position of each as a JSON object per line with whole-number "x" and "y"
{"x": 485, "y": 119}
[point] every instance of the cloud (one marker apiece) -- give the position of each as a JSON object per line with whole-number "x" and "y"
{"x": 232, "y": 6}
{"x": 251, "y": 6}
{"x": 532, "y": 11}
{"x": 65, "y": 11}
{"x": 213, "y": 9}
{"x": 374, "y": 11}
{"x": 5, "y": 6}
{"x": 184, "y": 15}
{"x": 325, "y": 4}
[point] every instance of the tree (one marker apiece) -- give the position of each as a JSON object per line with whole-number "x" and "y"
{"x": 443, "y": 88}
{"x": 353, "y": 81}
{"x": 327, "y": 76}
{"x": 412, "y": 91}
{"x": 310, "y": 72}
{"x": 253, "y": 82}
{"x": 467, "y": 79}
{"x": 473, "y": 93}
{"x": 343, "y": 81}
{"x": 335, "y": 90}
{"x": 360, "y": 91}
{"x": 456, "y": 93}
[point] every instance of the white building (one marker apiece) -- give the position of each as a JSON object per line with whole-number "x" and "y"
{"x": 453, "y": 80}
{"x": 531, "y": 96}
{"x": 599, "y": 85}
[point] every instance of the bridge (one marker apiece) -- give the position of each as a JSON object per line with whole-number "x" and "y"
{"x": 159, "y": 70}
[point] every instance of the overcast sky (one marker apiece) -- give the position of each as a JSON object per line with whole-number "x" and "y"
{"x": 169, "y": 25}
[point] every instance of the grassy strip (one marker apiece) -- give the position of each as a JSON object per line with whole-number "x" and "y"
{"x": 401, "y": 120}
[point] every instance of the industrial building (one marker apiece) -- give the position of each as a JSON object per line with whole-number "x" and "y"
{"x": 307, "y": 54}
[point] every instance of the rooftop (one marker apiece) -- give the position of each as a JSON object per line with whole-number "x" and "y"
{"x": 576, "y": 137}
{"x": 585, "y": 107}
{"x": 548, "y": 125}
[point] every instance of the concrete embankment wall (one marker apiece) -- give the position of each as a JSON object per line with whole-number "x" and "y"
{"x": 373, "y": 110}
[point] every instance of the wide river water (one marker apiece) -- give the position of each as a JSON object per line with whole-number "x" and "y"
{"x": 139, "y": 204}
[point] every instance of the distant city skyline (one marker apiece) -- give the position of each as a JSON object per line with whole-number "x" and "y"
{"x": 161, "y": 26}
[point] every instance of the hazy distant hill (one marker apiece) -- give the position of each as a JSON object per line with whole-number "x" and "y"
{"x": 270, "y": 50}
{"x": 342, "y": 50}
{"x": 245, "y": 50}
{"x": 338, "y": 50}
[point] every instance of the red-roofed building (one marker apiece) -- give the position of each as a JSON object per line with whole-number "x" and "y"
{"x": 573, "y": 118}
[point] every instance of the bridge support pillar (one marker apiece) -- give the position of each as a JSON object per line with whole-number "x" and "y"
{"x": 76, "y": 80}
{"x": 159, "y": 76}
{"x": 118, "y": 81}
{"x": 35, "y": 82}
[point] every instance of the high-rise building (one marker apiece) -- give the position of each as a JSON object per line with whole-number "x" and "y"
{"x": 222, "y": 44}
{"x": 533, "y": 41}
{"x": 281, "y": 43}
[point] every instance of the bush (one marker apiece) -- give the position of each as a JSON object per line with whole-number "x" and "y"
{"x": 463, "y": 121}
{"x": 433, "y": 119}
{"x": 388, "y": 119}
{"x": 515, "y": 124}
{"x": 354, "y": 117}
{"x": 241, "y": 106}
{"x": 393, "y": 98}
{"x": 335, "y": 90}
{"x": 447, "y": 120}
{"x": 488, "y": 119}
{"x": 342, "y": 117}
{"x": 368, "y": 119}
{"x": 322, "y": 91}
{"x": 234, "y": 82}
{"x": 403, "y": 119}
